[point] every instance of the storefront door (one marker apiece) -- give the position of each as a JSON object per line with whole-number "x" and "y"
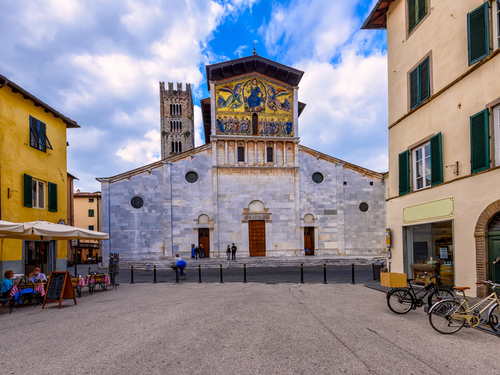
{"x": 494, "y": 254}
{"x": 309, "y": 240}
{"x": 257, "y": 238}
{"x": 204, "y": 239}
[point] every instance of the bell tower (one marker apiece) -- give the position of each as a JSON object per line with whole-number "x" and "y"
{"x": 177, "y": 119}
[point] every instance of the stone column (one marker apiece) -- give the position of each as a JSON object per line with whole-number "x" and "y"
{"x": 226, "y": 161}
{"x": 246, "y": 152}
{"x": 256, "y": 156}
{"x": 265, "y": 153}
{"x": 236, "y": 153}
{"x": 275, "y": 152}
{"x": 284, "y": 153}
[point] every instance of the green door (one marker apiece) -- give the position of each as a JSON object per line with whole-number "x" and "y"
{"x": 494, "y": 254}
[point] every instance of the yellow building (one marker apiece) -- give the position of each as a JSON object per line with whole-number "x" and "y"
{"x": 33, "y": 176}
{"x": 87, "y": 215}
{"x": 443, "y": 199}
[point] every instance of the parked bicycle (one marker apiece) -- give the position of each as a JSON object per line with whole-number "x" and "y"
{"x": 449, "y": 316}
{"x": 402, "y": 300}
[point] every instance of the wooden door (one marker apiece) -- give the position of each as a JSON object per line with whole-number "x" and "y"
{"x": 494, "y": 254}
{"x": 309, "y": 240}
{"x": 204, "y": 239}
{"x": 257, "y": 238}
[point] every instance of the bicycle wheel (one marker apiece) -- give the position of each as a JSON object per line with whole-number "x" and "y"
{"x": 439, "y": 294}
{"x": 400, "y": 300}
{"x": 441, "y": 317}
{"x": 494, "y": 318}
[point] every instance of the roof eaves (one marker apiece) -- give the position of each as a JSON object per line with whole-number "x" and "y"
{"x": 377, "y": 19}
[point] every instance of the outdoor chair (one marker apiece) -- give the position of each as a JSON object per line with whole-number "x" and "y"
{"x": 7, "y": 301}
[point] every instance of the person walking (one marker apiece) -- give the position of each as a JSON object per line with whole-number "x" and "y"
{"x": 192, "y": 251}
{"x": 202, "y": 251}
{"x": 228, "y": 252}
{"x": 196, "y": 252}
{"x": 233, "y": 251}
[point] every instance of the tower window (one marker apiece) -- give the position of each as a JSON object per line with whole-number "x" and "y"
{"x": 269, "y": 154}
{"x": 255, "y": 124}
{"x": 241, "y": 154}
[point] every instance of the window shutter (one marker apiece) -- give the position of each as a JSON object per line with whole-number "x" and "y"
{"x": 404, "y": 172}
{"x": 412, "y": 15}
{"x": 436, "y": 160}
{"x": 52, "y": 197}
{"x": 424, "y": 81}
{"x": 478, "y": 33}
{"x": 28, "y": 193}
{"x": 479, "y": 142}
{"x": 422, "y": 9}
{"x": 414, "y": 88}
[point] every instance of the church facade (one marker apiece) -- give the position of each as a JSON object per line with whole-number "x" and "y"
{"x": 251, "y": 184}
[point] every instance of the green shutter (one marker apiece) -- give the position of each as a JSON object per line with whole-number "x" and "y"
{"x": 414, "y": 88}
{"x": 436, "y": 160}
{"x": 424, "y": 81}
{"x": 404, "y": 172}
{"x": 28, "y": 192}
{"x": 52, "y": 197}
{"x": 479, "y": 142}
{"x": 422, "y": 9}
{"x": 412, "y": 15}
{"x": 478, "y": 33}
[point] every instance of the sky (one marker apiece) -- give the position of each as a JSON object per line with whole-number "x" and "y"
{"x": 99, "y": 62}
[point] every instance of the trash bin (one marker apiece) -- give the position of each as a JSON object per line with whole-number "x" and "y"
{"x": 376, "y": 267}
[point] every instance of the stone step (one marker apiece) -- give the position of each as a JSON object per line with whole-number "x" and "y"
{"x": 211, "y": 263}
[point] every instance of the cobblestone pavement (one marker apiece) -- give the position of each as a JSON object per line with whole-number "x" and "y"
{"x": 235, "y": 328}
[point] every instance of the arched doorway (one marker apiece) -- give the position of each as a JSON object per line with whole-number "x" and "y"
{"x": 309, "y": 234}
{"x": 257, "y": 230}
{"x": 487, "y": 245}
{"x": 204, "y": 234}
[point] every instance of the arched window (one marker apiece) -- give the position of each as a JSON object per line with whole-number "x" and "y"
{"x": 255, "y": 124}
{"x": 171, "y": 110}
{"x": 180, "y": 126}
{"x": 269, "y": 154}
{"x": 203, "y": 219}
{"x": 241, "y": 154}
{"x": 256, "y": 207}
{"x": 180, "y": 146}
{"x": 172, "y": 149}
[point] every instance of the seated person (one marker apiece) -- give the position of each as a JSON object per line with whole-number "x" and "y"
{"x": 7, "y": 283}
{"x": 179, "y": 265}
{"x": 37, "y": 275}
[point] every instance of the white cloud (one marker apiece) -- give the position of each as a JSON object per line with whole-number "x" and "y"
{"x": 144, "y": 151}
{"x": 239, "y": 51}
{"x": 198, "y": 126}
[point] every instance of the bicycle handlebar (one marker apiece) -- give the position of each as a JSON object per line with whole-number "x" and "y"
{"x": 488, "y": 282}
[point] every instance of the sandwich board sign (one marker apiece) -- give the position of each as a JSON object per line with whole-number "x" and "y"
{"x": 59, "y": 288}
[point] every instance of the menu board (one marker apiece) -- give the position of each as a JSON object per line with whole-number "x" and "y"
{"x": 59, "y": 287}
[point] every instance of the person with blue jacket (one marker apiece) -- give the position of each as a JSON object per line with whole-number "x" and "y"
{"x": 7, "y": 283}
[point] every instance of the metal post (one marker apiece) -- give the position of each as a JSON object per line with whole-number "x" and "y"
{"x": 324, "y": 274}
{"x": 131, "y": 274}
{"x": 176, "y": 275}
{"x": 244, "y": 273}
{"x": 76, "y": 266}
{"x": 154, "y": 273}
{"x": 199, "y": 274}
{"x": 352, "y": 268}
{"x": 221, "y": 280}
{"x": 302, "y": 273}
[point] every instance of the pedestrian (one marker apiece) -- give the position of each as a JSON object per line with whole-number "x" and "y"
{"x": 228, "y": 252}
{"x": 192, "y": 251}
{"x": 233, "y": 251}
{"x": 202, "y": 251}
{"x": 196, "y": 252}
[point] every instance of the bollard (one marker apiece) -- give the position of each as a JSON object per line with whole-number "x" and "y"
{"x": 302, "y": 273}
{"x": 131, "y": 274}
{"x": 154, "y": 273}
{"x": 221, "y": 280}
{"x": 352, "y": 267}
{"x": 324, "y": 274}
{"x": 176, "y": 275}
{"x": 199, "y": 274}
{"x": 244, "y": 273}
{"x": 90, "y": 270}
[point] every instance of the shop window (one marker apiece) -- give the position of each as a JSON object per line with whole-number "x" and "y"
{"x": 91, "y": 213}
{"x": 417, "y": 10}
{"x": 478, "y": 33}
{"x": 420, "y": 84}
{"x": 38, "y": 135}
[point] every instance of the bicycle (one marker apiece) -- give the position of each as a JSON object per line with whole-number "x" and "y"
{"x": 449, "y": 316}
{"x": 402, "y": 300}
{"x": 179, "y": 272}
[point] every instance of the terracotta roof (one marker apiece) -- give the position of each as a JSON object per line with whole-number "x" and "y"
{"x": 38, "y": 103}
{"x": 378, "y": 16}
{"x": 83, "y": 194}
{"x": 253, "y": 63}
{"x": 354, "y": 167}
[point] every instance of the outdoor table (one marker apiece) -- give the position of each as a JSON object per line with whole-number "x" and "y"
{"x": 100, "y": 279}
{"x": 37, "y": 287}
{"x": 78, "y": 284}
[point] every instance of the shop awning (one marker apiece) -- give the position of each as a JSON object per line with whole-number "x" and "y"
{"x": 36, "y": 230}
{"x": 8, "y": 227}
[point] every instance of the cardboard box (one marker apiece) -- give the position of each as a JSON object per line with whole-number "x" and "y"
{"x": 393, "y": 280}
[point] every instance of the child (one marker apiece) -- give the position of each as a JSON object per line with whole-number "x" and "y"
{"x": 228, "y": 253}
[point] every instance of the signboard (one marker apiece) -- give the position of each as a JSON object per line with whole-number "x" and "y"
{"x": 443, "y": 252}
{"x": 388, "y": 238}
{"x": 74, "y": 242}
{"x": 59, "y": 287}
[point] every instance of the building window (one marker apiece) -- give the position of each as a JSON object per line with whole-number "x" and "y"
{"x": 241, "y": 154}
{"x": 91, "y": 227}
{"x": 363, "y": 207}
{"x": 137, "y": 202}
{"x": 255, "y": 124}
{"x": 478, "y": 33}
{"x": 38, "y": 136}
{"x": 269, "y": 154}
{"x": 175, "y": 109}
{"x": 38, "y": 194}
{"x": 422, "y": 166}
{"x": 317, "y": 177}
{"x": 191, "y": 177}
{"x": 496, "y": 132}
{"x": 479, "y": 142}
{"x": 91, "y": 200}
{"x": 417, "y": 10}
{"x": 420, "y": 85}
{"x": 91, "y": 213}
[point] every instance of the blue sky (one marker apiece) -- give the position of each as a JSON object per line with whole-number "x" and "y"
{"x": 99, "y": 62}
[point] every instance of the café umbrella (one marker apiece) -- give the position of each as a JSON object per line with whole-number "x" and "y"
{"x": 6, "y": 227}
{"x": 43, "y": 230}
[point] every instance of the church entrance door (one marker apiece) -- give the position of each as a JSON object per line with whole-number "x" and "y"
{"x": 257, "y": 238}
{"x": 204, "y": 239}
{"x": 309, "y": 240}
